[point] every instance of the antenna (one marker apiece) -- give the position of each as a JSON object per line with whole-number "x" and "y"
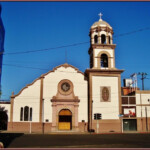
{"x": 134, "y": 80}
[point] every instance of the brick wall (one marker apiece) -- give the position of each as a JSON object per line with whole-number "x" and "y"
{"x": 107, "y": 126}
{"x": 25, "y": 127}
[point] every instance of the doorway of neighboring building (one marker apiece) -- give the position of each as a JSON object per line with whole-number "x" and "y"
{"x": 3, "y": 120}
{"x": 65, "y": 120}
{"x": 129, "y": 125}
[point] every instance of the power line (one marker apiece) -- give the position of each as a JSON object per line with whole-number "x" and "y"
{"x": 75, "y": 44}
{"x": 40, "y": 50}
{"x": 132, "y": 32}
{"x": 23, "y": 67}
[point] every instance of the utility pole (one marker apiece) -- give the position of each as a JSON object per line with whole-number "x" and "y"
{"x": 143, "y": 74}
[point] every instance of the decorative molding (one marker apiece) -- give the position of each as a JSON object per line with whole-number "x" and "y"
{"x": 3, "y": 102}
{"x": 60, "y": 84}
{"x": 142, "y": 91}
{"x": 65, "y": 66}
{"x": 105, "y": 94}
{"x": 41, "y": 100}
{"x": 68, "y": 95}
{"x": 99, "y": 59}
{"x": 102, "y": 71}
{"x": 103, "y": 46}
{"x": 65, "y": 100}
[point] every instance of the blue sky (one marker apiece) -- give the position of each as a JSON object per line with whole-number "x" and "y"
{"x": 43, "y": 25}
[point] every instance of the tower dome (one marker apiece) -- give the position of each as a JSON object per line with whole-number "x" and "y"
{"x": 101, "y": 23}
{"x": 101, "y": 32}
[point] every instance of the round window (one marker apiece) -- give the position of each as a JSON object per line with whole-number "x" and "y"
{"x": 65, "y": 86}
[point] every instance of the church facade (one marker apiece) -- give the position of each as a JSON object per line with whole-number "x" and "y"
{"x": 65, "y": 99}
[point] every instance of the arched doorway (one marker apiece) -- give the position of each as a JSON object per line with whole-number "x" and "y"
{"x": 3, "y": 120}
{"x": 65, "y": 119}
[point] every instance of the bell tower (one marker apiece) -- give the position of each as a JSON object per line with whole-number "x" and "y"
{"x": 104, "y": 79}
{"x": 102, "y": 49}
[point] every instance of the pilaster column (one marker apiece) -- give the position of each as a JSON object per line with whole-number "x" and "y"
{"x": 41, "y": 100}
{"x": 12, "y": 107}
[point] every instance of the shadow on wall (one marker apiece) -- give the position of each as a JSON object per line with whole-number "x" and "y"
{"x": 7, "y": 138}
{"x": 3, "y": 120}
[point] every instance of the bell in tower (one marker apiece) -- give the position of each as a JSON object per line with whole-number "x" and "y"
{"x": 102, "y": 48}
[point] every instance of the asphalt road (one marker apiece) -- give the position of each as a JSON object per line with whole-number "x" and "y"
{"x": 19, "y": 140}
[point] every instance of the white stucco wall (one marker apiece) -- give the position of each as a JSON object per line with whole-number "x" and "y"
{"x": 109, "y": 110}
{"x": 51, "y": 81}
{"x": 7, "y": 108}
{"x": 30, "y": 97}
{"x": 142, "y": 99}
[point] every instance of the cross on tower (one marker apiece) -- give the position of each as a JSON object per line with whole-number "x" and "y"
{"x": 100, "y": 14}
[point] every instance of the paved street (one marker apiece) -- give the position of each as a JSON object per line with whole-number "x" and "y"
{"x": 19, "y": 140}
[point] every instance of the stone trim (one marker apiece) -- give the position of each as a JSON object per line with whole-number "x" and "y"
{"x": 143, "y": 92}
{"x": 103, "y": 46}
{"x": 108, "y": 99}
{"x": 41, "y": 100}
{"x": 99, "y": 59}
{"x": 142, "y": 104}
{"x": 3, "y": 102}
{"x": 27, "y": 86}
{"x": 65, "y": 66}
{"x": 97, "y": 72}
{"x": 60, "y": 89}
{"x": 65, "y": 100}
{"x": 103, "y": 72}
{"x": 12, "y": 107}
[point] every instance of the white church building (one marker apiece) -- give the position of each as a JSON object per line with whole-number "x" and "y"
{"x": 66, "y": 99}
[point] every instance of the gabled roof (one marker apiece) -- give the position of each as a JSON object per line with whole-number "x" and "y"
{"x": 43, "y": 75}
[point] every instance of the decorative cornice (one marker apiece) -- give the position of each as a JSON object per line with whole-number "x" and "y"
{"x": 98, "y": 28}
{"x": 13, "y": 96}
{"x": 2, "y": 102}
{"x": 142, "y": 91}
{"x": 65, "y": 100}
{"x": 103, "y": 46}
{"x": 102, "y": 71}
{"x": 65, "y": 66}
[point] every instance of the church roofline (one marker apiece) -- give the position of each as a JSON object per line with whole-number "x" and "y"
{"x": 65, "y": 66}
{"x": 4, "y": 102}
{"x": 43, "y": 75}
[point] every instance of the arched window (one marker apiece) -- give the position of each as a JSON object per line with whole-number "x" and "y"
{"x": 104, "y": 60}
{"x": 26, "y": 113}
{"x": 95, "y": 39}
{"x": 103, "y": 39}
{"x": 21, "y": 114}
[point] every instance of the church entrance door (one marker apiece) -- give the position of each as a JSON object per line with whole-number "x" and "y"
{"x": 65, "y": 120}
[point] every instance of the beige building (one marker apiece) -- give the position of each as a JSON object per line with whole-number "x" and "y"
{"x": 65, "y": 99}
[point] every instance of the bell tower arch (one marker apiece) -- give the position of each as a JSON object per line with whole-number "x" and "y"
{"x": 101, "y": 37}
